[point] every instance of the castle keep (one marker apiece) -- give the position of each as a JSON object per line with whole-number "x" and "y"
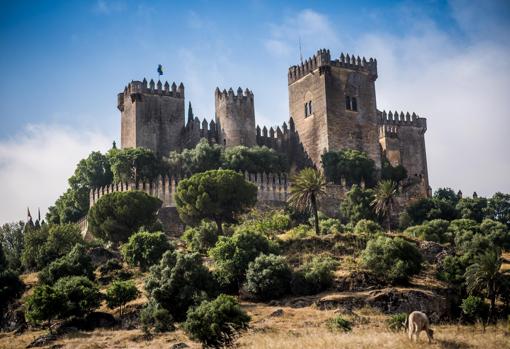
{"x": 332, "y": 105}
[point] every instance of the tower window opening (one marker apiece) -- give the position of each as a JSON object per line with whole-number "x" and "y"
{"x": 351, "y": 103}
{"x": 354, "y": 104}
{"x": 308, "y": 109}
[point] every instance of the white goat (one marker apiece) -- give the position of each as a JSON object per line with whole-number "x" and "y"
{"x": 417, "y": 322}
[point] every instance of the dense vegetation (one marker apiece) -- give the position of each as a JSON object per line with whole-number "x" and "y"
{"x": 231, "y": 248}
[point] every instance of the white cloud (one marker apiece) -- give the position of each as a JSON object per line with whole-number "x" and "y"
{"x": 313, "y": 29}
{"x": 36, "y": 163}
{"x": 458, "y": 81}
{"x": 104, "y": 7}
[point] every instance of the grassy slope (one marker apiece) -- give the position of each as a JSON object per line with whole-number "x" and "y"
{"x": 296, "y": 328}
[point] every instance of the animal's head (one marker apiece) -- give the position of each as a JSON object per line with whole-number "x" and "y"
{"x": 430, "y": 332}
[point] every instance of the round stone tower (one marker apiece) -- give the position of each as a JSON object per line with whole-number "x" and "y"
{"x": 235, "y": 116}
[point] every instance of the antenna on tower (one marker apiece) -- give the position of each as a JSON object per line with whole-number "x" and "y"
{"x": 300, "y": 52}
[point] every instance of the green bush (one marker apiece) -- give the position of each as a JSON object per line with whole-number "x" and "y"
{"x": 435, "y": 230}
{"x": 255, "y": 160}
{"x": 394, "y": 260}
{"x": 232, "y": 255}
{"x": 153, "y": 316}
{"x": 110, "y": 266}
{"x": 367, "y": 226}
{"x": 75, "y": 263}
{"x": 44, "y": 304}
{"x": 11, "y": 240}
{"x": 201, "y": 238}
{"x": 474, "y": 308}
{"x": 47, "y": 243}
{"x": 70, "y": 296}
{"x": 268, "y": 277}
{"x": 216, "y": 323}
{"x": 179, "y": 282}
{"x": 79, "y": 295}
{"x": 314, "y": 277}
{"x": 11, "y": 287}
{"x": 115, "y": 216}
{"x": 497, "y": 232}
{"x": 300, "y": 232}
{"x": 119, "y": 293}
{"x": 357, "y": 205}
{"x": 396, "y": 322}
{"x": 338, "y": 323}
{"x": 331, "y": 226}
{"x": 452, "y": 270}
{"x": 145, "y": 249}
{"x": 352, "y": 165}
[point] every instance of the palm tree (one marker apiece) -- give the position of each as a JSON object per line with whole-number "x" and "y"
{"x": 384, "y": 198}
{"x": 485, "y": 276}
{"x": 306, "y": 189}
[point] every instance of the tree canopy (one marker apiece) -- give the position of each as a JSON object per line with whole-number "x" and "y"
{"x": 218, "y": 195}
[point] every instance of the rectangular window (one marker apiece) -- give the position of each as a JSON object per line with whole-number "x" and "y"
{"x": 347, "y": 102}
{"x": 306, "y": 110}
{"x": 310, "y": 108}
{"x": 354, "y": 104}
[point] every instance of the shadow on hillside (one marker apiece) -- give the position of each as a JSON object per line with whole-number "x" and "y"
{"x": 448, "y": 344}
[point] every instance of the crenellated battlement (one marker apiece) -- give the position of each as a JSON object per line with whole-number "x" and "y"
{"x": 273, "y": 137}
{"x": 230, "y": 95}
{"x": 136, "y": 87}
{"x": 400, "y": 119}
{"x": 271, "y": 187}
{"x": 323, "y": 59}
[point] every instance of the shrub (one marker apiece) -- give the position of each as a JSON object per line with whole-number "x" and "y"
{"x": 110, "y": 266}
{"x": 357, "y": 205}
{"x": 300, "y": 232}
{"x": 497, "y": 232}
{"x": 153, "y": 316}
{"x": 452, "y": 270}
{"x": 44, "y": 304}
{"x": 215, "y": 323}
{"x": 78, "y": 294}
{"x": 353, "y": 165}
{"x": 11, "y": 287}
{"x": 434, "y": 230}
{"x": 394, "y": 260}
{"x": 232, "y": 255}
{"x": 474, "y": 308}
{"x": 314, "y": 276}
{"x": 338, "y": 323}
{"x": 367, "y": 226}
{"x": 144, "y": 249}
{"x": 75, "y": 263}
{"x": 396, "y": 322}
{"x": 330, "y": 226}
{"x": 120, "y": 293}
{"x": 47, "y": 243}
{"x": 201, "y": 238}
{"x": 178, "y": 282}
{"x": 115, "y": 216}
{"x": 11, "y": 240}
{"x": 268, "y": 277}
{"x": 70, "y": 296}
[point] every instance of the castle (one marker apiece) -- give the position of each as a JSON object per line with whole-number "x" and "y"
{"x": 332, "y": 106}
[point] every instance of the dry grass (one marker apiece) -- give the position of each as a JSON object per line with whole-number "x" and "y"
{"x": 296, "y": 328}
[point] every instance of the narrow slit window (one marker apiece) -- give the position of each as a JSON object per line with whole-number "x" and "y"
{"x": 306, "y": 110}
{"x": 310, "y": 108}
{"x": 354, "y": 104}
{"x": 347, "y": 102}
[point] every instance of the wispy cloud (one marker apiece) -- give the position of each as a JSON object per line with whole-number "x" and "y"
{"x": 314, "y": 29}
{"x": 36, "y": 163}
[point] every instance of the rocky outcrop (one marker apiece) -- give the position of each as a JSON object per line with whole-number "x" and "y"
{"x": 390, "y": 301}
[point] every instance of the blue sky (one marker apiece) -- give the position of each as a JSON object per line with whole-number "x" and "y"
{"x": 63, "y": 62}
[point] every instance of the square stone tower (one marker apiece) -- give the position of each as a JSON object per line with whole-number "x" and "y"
{"x": 333, "y": 105}
{"x": 152, "y": 116}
